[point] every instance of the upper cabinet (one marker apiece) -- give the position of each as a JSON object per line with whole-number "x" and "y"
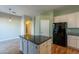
{"x": 71, "y": 19}
{"x": 62, "y": 18}
{"x": 77, "y": 19}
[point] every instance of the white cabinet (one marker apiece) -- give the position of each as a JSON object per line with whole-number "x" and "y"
{"x": 62, "y": 18}
{"x": 45, "y": 48}
{"x": 28, "y": 47}
{"x": 57, "y": 19}
{"x": 20, "y": 44}
{"x": 32, "y": 48}
{"x": 49, "y": 43}
{"x": 68, "y": 40}
{"x": 72, "y": 41}
{"x": 77, "y": 20}
{"x": 25, "y": 51}
{"x": 71, "y": 20}
{"x": 77, "y": 42}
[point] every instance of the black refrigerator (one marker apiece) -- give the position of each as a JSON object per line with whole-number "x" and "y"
{"x": 60, "y": 34}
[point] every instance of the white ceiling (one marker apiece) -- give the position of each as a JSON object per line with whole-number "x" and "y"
{"x": 30, "y": 10}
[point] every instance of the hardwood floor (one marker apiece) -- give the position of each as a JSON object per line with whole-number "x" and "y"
{"x": 63, "y": 50}
{"x": 12, "y": 47}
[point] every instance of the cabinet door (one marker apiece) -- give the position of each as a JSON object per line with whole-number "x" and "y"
{"x": 57, "y": 19}
{"x": 21, "y": 44}
{"x": 68, "y": 40}
{"x": 25, "y": 46}
{"x": 49, "y": 46}
{"x": 72, "y": 41}
{"x": 71, "y": 20}
{"x": 43, "y": 48}
{"x": 32, "y": 48}
{"x": 62, "y": 18}
{"x": 78, "y": 42}
{"x": 77, "y": 20}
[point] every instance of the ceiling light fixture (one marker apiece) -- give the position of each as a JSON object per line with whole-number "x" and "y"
{"x": 11, "y": 12}
{"x": 10, "y": 16}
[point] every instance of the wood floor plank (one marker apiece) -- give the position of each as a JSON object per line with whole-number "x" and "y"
{"x": 56, "y": 49}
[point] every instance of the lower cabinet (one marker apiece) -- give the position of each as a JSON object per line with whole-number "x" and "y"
{"x": 45, "y": 48}
{"x": 78, "y": 42}
{"x": 32, "y": 48}
{"x": 21, "y": 44}
{"x": 73, "y": 41}
{"x": 25, "y": 51}
{"x": 29, "y": 47}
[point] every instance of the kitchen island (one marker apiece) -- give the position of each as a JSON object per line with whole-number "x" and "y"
{"x": 35, "y": 44}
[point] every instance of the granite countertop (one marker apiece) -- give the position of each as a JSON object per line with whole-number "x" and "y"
{"x": 35, "y": 39}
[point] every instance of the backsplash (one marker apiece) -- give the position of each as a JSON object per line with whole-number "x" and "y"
{"x": 73, "y": 31}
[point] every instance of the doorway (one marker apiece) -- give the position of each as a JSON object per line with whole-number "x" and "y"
{"x": 28, "y": 25}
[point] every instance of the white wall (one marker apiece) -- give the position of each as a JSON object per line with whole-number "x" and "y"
{"x": 9, "y": 30}
{"x": 23, "y": 25}
{"x": 37, "y": 25}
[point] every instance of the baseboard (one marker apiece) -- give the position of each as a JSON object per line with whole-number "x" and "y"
{"x": 9, "y": 39}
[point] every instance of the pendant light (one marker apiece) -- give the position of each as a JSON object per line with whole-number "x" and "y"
{"x": 10, "y": 16}
{"x": 11, "y": 12}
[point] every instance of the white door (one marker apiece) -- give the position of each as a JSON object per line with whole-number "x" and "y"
{"x": 44, "y": 27}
